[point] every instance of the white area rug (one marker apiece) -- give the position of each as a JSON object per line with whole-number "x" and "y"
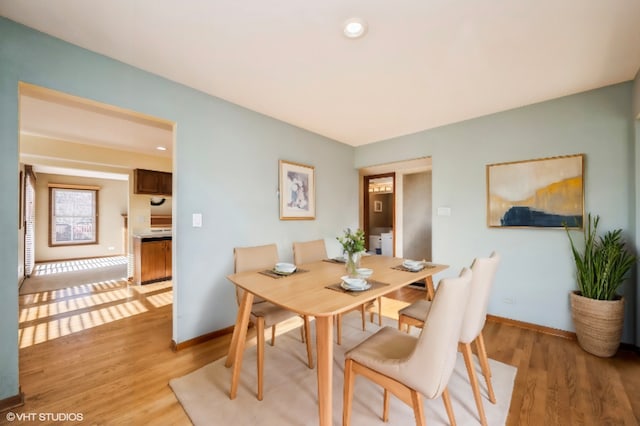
{"x": 290, "y": 389}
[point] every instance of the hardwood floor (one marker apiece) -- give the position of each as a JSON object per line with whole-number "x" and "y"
{"x": 105, "y": 353}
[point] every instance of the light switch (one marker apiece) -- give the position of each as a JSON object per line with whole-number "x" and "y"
{"x": 444, "y": 211}
{"x": 197, "y": 220}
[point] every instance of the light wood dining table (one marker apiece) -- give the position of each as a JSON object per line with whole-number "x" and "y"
{"x": 306, "y": 293}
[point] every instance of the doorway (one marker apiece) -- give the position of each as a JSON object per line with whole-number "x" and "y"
{"x": 379, "y": 217}
{"x": 58, "y": 138}
{"x": 408, "y": 188}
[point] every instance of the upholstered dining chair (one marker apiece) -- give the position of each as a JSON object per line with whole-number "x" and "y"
{"x": 264, "y": 314}
{"x": 484, "y": 271}
{"x": 315, "y": 251}
{"x": 413, "y": 367}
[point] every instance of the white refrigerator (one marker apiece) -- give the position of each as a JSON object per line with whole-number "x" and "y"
{"x": 386, "y": 242}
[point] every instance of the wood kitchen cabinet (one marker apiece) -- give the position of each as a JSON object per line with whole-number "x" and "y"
{"x": 152, "y": 257}
{"x": 152, "y": 182}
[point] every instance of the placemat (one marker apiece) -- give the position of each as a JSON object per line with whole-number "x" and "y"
{"x": 374, "y": 284}
{"x": 401, "y": 267}
{"x": 272, "y": 274}
{"x": 333, "y": 261}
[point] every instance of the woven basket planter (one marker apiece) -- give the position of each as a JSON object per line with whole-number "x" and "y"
{"x": 598, "y": 323}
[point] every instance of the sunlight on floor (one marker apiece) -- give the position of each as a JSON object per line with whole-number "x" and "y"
{"x": 159, "y": 300}
{"x": 46, "y": 316}
{"x": 32, "y": 313}
{"x": 77, "y": 265}
{"x": 148, "y": 288}
{"x": 42, "y": 332}
{"x": 49, "y": 295}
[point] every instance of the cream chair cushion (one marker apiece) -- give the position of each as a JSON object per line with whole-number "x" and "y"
{"x": 424, "y": 363}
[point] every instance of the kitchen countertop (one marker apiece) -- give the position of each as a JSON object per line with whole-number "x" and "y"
{"x": 156, "y": 234}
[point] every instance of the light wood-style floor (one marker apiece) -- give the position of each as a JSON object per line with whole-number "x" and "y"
{"x": 106, "y": 353}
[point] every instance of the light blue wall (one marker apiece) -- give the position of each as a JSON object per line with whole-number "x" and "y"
{"x": 537, "y": 271}
{"x": 225, "y": 165}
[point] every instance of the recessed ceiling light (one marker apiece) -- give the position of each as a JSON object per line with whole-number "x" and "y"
{"x": 161, "y": 148}
{"x": 354, "y": 28}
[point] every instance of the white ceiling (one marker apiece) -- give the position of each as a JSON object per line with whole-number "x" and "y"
{"x": 422, "y": 63}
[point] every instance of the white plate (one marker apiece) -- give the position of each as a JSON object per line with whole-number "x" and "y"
{"x": 275, "y": 271}
{"x": 346, "y": 286}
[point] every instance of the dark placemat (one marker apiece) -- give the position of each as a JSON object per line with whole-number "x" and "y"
{"x": 271, "y": 273}
{"x": 374, "y": 284}
{"x": 333, "y": 260}
{"x": 401, "y": 267}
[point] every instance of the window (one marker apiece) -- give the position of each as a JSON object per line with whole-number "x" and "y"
{"x": 74, "y": 217}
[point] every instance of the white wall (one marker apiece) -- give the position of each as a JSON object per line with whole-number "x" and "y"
{"x": 536, "y": 272}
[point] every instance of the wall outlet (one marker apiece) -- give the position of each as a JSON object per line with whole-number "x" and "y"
{"x": 111, "y": 248}
{"x": 509, "y": 300}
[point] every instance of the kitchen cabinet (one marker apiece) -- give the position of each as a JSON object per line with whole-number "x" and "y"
{"x": 152, "y": 259}
{"x": 152, "y": 182}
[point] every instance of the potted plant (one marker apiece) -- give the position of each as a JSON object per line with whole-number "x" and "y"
{"x": 596, "y": 308}
{"x": 352, "y": 247}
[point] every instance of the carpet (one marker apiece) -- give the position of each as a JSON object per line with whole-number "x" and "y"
{"x": 63, "y": 274}
{"x": 290, "y": 389}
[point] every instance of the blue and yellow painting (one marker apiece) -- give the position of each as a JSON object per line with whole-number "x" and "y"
{"x": 546, "y": 193}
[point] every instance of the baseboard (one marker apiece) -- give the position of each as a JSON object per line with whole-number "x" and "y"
{"x": 200, "y": 339}
{"x": 533, "y": 327}
{"x": 12, "y": 401}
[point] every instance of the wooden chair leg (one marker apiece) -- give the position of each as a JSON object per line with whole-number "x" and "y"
{"x": 348, "y": 392}
{"x": 380, "y": 311}
{"x": 447, "y": 406}
{"x": 468, "y": 361}
{"x": 302, "y": 334}
{"x": 363, "y": 314}
{"x": 428, "y": 283}
{"x": 307, "y": 332}
{"x": 339, "y": 329}
{"x": 260, "y": 336}
{"x": 484, "y": 363}
{"x": 385, "y": 406}
{"x": 273, "y": 335}
{"x": 418, "y": 411}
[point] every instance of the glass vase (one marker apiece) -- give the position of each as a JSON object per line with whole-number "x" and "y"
{"x": 352, "y": 263}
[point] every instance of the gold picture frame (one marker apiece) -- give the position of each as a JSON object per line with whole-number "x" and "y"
{"x": 539, "y": 193}
{"x": 297, "y": 191}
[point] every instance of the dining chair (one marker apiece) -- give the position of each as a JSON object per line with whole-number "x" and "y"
{"x": 265, "y": 314}
{"x": 315, "y": 251}
{"x": 484, "y": 271}
{"x": 413, "y": 367}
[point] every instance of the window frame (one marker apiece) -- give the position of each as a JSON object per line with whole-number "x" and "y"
{"x": 84, "y": 188}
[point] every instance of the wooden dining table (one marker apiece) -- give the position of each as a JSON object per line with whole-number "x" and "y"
{"x": 305, "y": 292}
